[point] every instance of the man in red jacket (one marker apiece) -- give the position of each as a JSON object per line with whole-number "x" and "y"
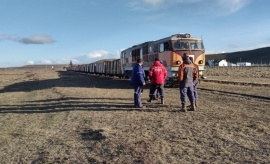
{"x": 157, "y": 76}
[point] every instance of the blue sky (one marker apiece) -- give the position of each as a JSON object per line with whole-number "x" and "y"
{"x": 57, "y": 31}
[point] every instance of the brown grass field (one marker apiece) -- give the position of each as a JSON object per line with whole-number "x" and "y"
{"x": 55, "y": 116}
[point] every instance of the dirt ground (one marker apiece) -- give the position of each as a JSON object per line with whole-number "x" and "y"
{"x": 55, "y": 116}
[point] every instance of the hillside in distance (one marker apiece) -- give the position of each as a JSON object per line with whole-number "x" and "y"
{"x": 256, "y": 56}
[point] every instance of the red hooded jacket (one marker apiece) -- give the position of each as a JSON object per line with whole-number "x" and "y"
{"x": 157, "y": 73}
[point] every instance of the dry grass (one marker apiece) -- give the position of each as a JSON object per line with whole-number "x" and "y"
{"x": 66, "y": 117}
{"x": 236, "y": 73}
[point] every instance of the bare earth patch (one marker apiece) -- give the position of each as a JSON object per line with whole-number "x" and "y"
{"x": 51, "y": 116}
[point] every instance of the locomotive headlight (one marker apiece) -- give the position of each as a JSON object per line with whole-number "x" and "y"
{"x": 201, "y": 62}
{"x": 178, "y": 62}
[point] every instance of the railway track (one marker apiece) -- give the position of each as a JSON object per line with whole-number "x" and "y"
{"x": 237, "y": 82}
{"x": 234, "y": 92}
{"x": 263, "y": 98}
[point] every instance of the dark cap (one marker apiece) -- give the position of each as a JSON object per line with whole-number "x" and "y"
{"x": 156, "y": 59}
{"x": 139, "y": 60}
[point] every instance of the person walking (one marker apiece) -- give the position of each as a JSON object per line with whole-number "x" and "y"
{"x": 195, "y": 84}
{"x": 157, "y": 93}
{"x": 157, "y": 76}
{"x": 187, "y": 73}
{"x": 138, "y": 81}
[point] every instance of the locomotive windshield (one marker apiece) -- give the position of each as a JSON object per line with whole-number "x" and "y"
{"x": 183, "y": 45}
{"x": 196, "y": 45}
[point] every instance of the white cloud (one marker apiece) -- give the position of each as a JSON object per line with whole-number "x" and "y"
{"x": 30, "y": 62}
{"x": 36, "y": 39}
{"x": 232, "y": 6}
{"x": 59, "y": 61}
{"x": 223, "y": 6}
{"x": 47, "y": 62}
{"x": 74, "y": 61}
{"x": 4, "y": 37}
{"x": 64, "y": 61}
{"x": 153, "y": 2}
{"x": 97, "y": 54}
{"x": 82, "y": 59}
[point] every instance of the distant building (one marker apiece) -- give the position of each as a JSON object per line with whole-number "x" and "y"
{"x": 231, "y": 64}
{"x": 223, "y": 63}
{"x": 243, "y": 64}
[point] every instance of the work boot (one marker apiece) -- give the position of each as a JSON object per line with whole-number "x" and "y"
{"x": 150, "y": 99}
{"x": 193, "y": 107}
{"x": 184, "y": 108}
{"x": 162, "y": 100}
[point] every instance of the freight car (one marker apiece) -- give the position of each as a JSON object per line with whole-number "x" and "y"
{"x": 169, "y": 50}
{"x": 107, "y": 67}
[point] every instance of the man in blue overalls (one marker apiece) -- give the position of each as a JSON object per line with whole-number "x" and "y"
{"x": 138, "y": 81}
{"x": 187, "y": 73}
{"x": 195, "y": 84}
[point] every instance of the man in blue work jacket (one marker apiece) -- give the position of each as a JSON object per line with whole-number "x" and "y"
{"x": 138, "y": 81}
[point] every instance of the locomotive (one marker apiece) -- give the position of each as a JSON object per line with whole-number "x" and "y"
{"x": 168, "y": 50}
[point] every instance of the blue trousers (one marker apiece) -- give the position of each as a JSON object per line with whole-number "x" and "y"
{"x": 187, "y": 90}
{"x": 138, "y": 96}
{"x": 195, "y": 84}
